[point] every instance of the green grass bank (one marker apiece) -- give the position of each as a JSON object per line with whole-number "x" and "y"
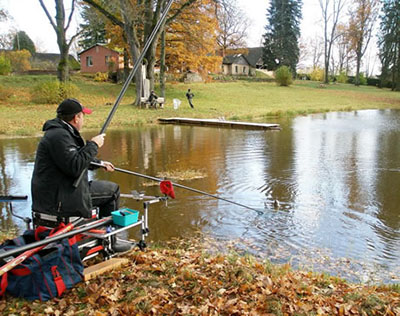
{"x": 235, "y": 100}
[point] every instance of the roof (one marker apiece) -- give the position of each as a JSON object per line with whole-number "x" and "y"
{"x": 49, "y": 57}
{"x": 95, "y": 46}
{"x": 234, "y": 59}
{"x": 253, "y": 57}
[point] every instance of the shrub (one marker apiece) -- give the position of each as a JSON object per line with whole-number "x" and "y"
{"x": 363, "y": 80}
{"x": 5, "y": 65}
{"x": 317, "y": 74}
{"x": 101, "y": 77}
{"x": 19, "y": 60}
{"x": 283, "y": 76}
{"x": 342, "y": 78}
{"x": 53, "y": 92}
{"x": 73, "y": 64}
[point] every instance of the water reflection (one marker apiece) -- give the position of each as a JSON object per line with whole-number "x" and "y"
{"x": 336, "y": 176}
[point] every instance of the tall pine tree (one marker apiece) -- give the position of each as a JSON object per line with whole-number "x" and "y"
{"x": 93, "y": 28}
{"x": 281, "y": 39}
{"x": 23, "y": 41}
{"x": 389, "y": 43}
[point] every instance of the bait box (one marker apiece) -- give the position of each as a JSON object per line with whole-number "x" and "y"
{"x": 125, "y": 216}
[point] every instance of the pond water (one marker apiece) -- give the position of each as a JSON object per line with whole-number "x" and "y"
{"x": 336, "y": 177}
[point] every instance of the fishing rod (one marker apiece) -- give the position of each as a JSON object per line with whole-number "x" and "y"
{"x": 130, "y": 77}
{"x": 178, "y": 185}
{"x": 28, "y": 253}
{"x": 60, "y": 235}
{"x": 136, "y": 66}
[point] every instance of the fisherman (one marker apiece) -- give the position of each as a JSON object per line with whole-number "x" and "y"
{"x": 153, "y": 99}
{"x": 62, "y": 155}
{"x": 189, "y": 96}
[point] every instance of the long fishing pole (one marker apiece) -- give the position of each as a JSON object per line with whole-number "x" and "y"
{"x": 179, "y": 186}
{"x": 129, "y": 79}
{"x": 136, "y": 66}
{"x": 80, "y": 229}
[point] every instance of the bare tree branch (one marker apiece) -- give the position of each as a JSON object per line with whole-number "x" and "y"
{"x": 70, "y": 15}
{"x": 48, "y": 15}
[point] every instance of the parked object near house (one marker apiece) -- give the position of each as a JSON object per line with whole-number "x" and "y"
{"x": 99, "y": 58}
{"x": 243, "y": 64}
{"x": 191, "y": 76}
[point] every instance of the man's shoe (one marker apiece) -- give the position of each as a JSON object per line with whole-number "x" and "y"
{"x": 122, "y": 246}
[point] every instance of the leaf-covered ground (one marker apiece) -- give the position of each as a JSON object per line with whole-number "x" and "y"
{"x": 181, "y": 278}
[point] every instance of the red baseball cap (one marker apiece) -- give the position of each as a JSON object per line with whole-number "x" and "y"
{"x": 72, "y": 106}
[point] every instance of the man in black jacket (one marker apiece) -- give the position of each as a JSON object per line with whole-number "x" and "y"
{"x": 189, "y": 96}
{"x": 61, "y": 157}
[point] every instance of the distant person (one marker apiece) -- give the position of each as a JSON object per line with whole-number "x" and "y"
{"x": 153, "y": 99}
{"x": 189, "y": 96}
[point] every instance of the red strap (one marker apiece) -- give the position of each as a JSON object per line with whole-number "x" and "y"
{"x": 39, "y": 230}
{"x": 58, "y": 281}
{"x": 95, "y": 249}
{"x": 167, "y": 188}
{"x": 3, "y": 284}
{"x": 72, "y": 241}
{"x": 21, "y": 271}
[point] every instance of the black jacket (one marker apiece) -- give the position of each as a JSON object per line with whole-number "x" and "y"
{"x": 61, "y": 157}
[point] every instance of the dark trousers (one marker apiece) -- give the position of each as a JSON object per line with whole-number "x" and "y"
{"x": 105, "y": 195}
{"x": 190, "y": 103}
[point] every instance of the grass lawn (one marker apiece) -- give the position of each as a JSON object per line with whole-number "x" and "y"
{"x": 237, "y": 100}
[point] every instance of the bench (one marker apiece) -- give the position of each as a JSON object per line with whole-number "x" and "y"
{"x": 144, "y": 102}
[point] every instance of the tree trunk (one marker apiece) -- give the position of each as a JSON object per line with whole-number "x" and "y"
{"x": 133, "y": 44}
{"x": 396, "y": 68}
{"x": 162, "y": 65}
{"x": 63, "y": 66}
{"x": 60, "y": 26}
{"x": 126, "y": 64}
{"x": 357, "y": 79}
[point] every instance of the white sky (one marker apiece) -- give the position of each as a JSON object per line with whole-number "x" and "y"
{"x": 256, "y": 11}
{"x": 29, "y": 17}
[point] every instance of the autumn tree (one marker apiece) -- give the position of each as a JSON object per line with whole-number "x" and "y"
{"x": 311, "y": 51}
{"x": 232, "y": 25}
{"x": 344, "y": 50}
{"x": 389, "y": 43}
{"x": 363, "y": 15}
{"x": 61, "y": 24}
{"x": 281, "y": 39}
{"x": 138, "y": 19}
{"x": 191, "y": 40}
{"x": 331, "y": 13}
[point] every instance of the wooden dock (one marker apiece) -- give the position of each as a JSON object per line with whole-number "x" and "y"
{"x": 219, "y": 123}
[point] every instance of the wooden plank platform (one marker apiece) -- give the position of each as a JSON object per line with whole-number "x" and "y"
{"x": 219, "y": 123}
{"x": 102, "y": 267}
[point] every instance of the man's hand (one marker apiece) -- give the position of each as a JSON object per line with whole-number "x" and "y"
{"x": 99, "y": 140}
{"x": 108, "y": 165}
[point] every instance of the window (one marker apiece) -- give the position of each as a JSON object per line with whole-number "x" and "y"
{"x": 236, "y": 69}
{"x": 108, "y": 59}
{"x": 244, "y": 70}
{"x": 89, "y": 61}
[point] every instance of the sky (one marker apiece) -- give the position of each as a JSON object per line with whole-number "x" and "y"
{"x": 28, "y": 16}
